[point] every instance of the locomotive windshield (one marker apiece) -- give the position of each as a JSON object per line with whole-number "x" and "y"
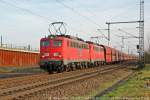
{"x": 57, "y": 43}
{"x": 45, "y": 43}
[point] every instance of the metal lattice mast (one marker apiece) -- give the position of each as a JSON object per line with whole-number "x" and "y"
{"x": 141, "y": 34}
{"x": 140, "y": 47}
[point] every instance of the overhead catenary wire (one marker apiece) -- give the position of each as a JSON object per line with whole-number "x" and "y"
{"x": 38, "y": 15}
{"x": 75, "y": 11}
{"x": 26, "y": 10}
{"x": 30, "y": 12}
{"x": 128, "y": 33}
{"x": 87, "y": 8}
{"x": 124, "y": 11}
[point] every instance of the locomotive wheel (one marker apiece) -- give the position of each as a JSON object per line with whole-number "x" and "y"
{"x": 67, "y": 68}
{"x": 49, "y": 68}
{"x": 62, "y": 68}
{"x": 58, "y": 69}
{"x": 70, "y": 68}
{"x": 86, "y": 65}
{"x": 73, "y": 67}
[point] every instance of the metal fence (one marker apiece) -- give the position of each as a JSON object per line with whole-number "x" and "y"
{"x": 15, "y": 47}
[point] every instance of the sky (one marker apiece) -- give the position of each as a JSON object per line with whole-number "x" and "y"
{"x": 25, "y": 22}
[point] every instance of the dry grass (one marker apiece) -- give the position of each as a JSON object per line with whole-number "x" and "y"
{"x": 134, "y": 88}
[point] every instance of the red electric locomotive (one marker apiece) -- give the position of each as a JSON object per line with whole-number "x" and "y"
{"x": 97, "y": 55}
{"x": 63, "y": 52}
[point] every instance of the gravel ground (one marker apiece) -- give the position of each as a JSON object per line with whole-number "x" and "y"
{"x": 17, "y": 81}
{"x": 80, "y": 90}
{"x": 11, "y": 75}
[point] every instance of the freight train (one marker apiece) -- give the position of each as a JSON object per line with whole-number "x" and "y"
{"x": 65, "y": 53}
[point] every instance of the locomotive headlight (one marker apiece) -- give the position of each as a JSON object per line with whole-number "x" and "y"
{"x": 56, "y": 54}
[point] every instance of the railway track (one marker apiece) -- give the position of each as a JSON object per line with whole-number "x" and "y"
{"x": 12, "y": 75}
{"x": 22, "y": 91}
{"x": 13, "y": 82}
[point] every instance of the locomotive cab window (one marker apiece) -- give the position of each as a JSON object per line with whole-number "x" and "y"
{"x": 45, "y": 43}
{"x": 57, "y": 43}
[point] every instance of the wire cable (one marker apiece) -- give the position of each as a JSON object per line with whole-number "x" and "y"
{"x": 123, "y": 12}
{"x": 33, "y": 13}
{"x": 26, "y": 10}
{"x": 90, "y": 12}
{"x": 75, "y": 11}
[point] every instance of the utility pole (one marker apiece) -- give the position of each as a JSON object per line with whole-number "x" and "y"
{"x": 1, "y": 41}
{"x": 128, "y": 49}
{"x": 122, "y": 40}
{"x": 107, "y": 38}
{"x": 108, "y": 33}
{"x": 141, "y": 35}
{"x": 109, "y": 23}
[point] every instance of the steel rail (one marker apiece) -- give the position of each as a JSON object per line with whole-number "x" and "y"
{"x": 28, "y": 89}
{"x": 39, "y": 77}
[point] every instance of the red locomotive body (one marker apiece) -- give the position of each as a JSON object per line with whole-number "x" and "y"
{"x": 75, "y": 50}
{"x": 96, "y": 54}
{"x": 63, "y": 52}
